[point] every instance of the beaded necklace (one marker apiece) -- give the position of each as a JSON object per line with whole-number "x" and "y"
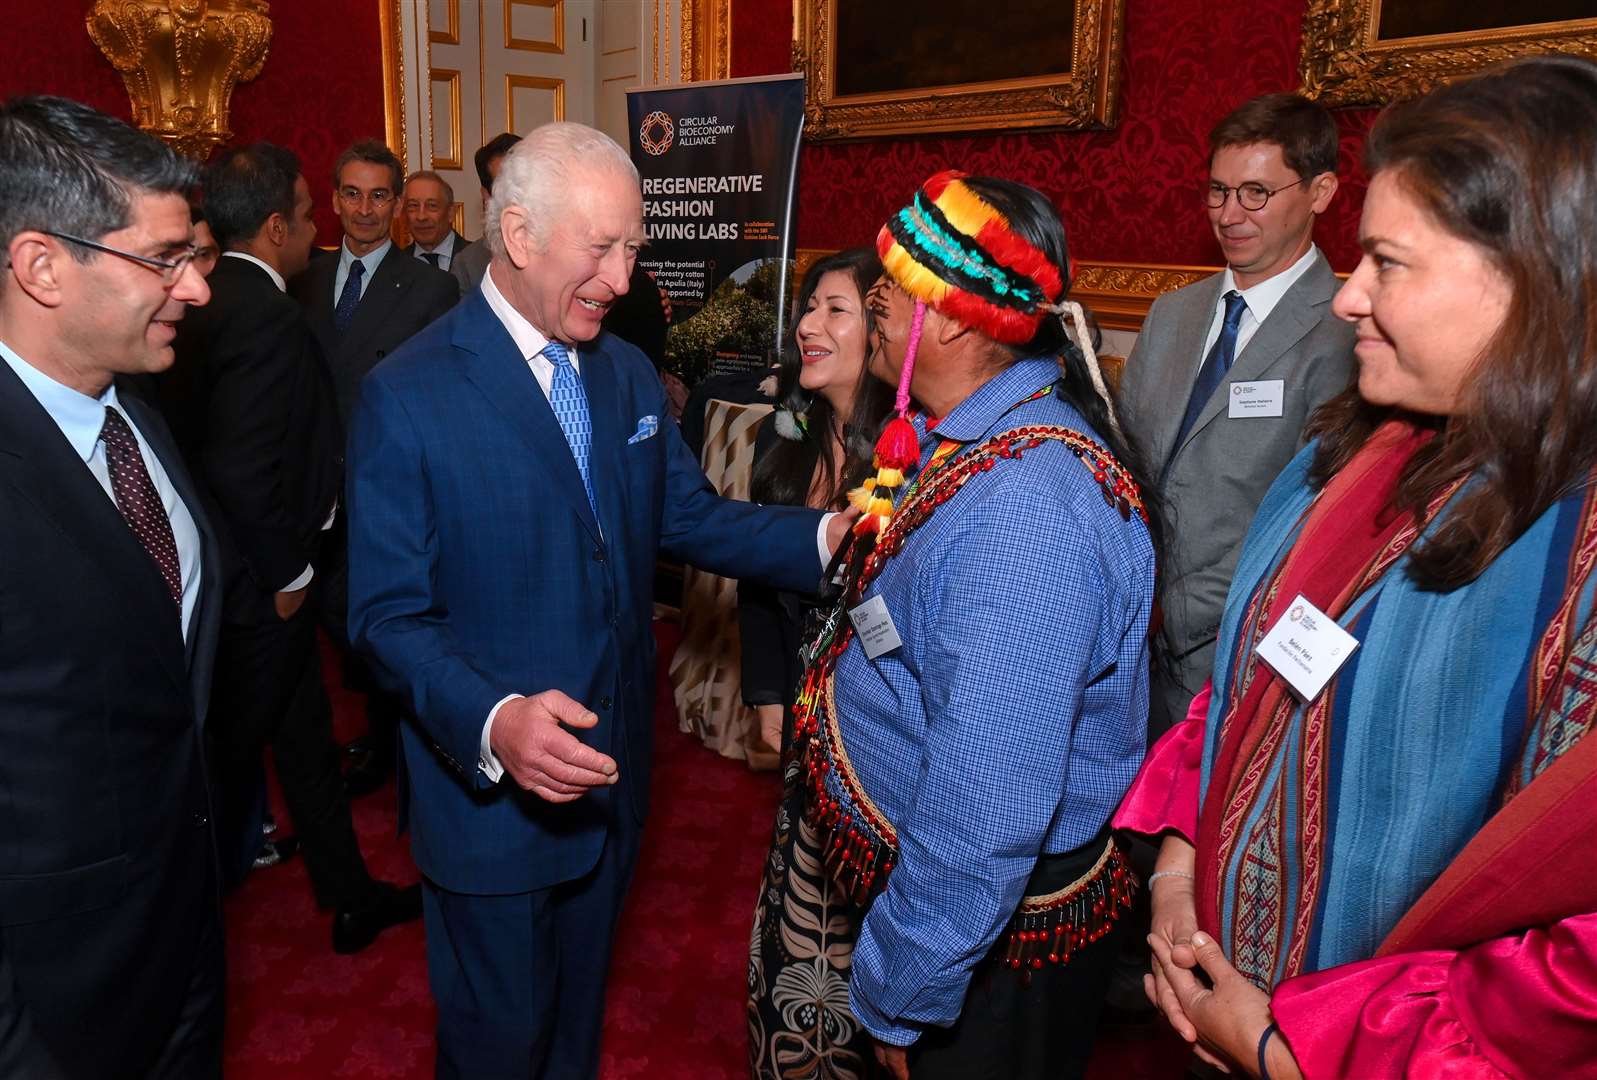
{"x": 860, "y": 844}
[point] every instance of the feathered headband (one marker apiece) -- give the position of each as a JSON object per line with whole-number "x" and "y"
{"x": 952, "y": 250}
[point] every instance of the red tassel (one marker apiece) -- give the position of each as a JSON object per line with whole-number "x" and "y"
{"x": 899, "y": 446}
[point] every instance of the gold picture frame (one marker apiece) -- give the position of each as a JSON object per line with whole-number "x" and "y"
{"x": 1373, "y": 52}
{"x": 1086, "y": 95}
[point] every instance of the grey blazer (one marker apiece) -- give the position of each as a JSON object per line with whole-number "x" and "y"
{"x": 1214, "y": 481}
{"x": 470, "y": 265}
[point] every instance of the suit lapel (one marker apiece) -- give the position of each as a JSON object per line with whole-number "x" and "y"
{"x": 1291, "y": 319}
{"x": 1191, "y": 328}
{"x": 609, "y": 436}
{"x": 388, "y": 287}
{"x": 154, "y": 430}
{"x": 48, "y": 472}
{"x": 497, "y": 369}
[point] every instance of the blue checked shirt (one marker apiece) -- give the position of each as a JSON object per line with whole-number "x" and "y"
{"x": 1014, "y": 715}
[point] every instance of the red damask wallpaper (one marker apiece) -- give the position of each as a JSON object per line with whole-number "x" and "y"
{"x": 1126, "y": 195}
{"x": 306, "y": 99}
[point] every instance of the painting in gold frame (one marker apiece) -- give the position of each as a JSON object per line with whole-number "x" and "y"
{"x": 877, "y": 69}
{"x": 1372, "y": 52}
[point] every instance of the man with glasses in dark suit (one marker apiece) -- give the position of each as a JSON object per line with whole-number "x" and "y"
{"x": 110, "y": 602}
{"x": 362, "y": 306}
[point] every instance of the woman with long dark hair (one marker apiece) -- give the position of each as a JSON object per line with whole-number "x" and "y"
{"x": 810, "y": 452}
{"x": 945, "y": 899}
{"x": 1379, "y": 823}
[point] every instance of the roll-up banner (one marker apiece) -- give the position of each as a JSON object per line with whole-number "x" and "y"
{"x": 718, "y": 162}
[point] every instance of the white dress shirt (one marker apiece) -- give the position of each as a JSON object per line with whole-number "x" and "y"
{"x": 531, "y": 341}
{"x": 81, "y": 419}
{"x": 1259, "y": 301}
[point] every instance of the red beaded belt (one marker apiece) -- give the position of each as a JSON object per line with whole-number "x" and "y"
{"x": 859, "y": 843}
{"x": 1052, "y": 927}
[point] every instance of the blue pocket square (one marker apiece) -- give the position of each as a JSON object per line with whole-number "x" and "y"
{"x": 647, "y": 426}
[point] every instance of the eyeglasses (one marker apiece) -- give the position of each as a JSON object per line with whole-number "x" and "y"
{"x": 1250, "y": 196}
{"x": 379, "y": 197}
{"x": 169, "y": 269}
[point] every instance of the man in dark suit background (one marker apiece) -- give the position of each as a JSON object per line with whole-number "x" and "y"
{"x": 513, "y": 475}
{"x": 488, "y": 158}
{"x": 110, "y": 599}
{"x": 1259, "y": 333}
{"x": 251, "y": 403}
{"x": 362, "y": 306}
{"x": 428, "y": 203}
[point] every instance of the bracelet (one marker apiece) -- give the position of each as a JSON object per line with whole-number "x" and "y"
{"x": 1157, "y": 874}
{"x": 1264, "y": 1042}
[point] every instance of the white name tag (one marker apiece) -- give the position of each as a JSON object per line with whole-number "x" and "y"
{"x": 877, "y": 634}
{"x": 1306, "y": 648}
{"x": 1256, "y": 399}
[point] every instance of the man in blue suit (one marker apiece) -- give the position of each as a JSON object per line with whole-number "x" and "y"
{"x": 513, "y": 474}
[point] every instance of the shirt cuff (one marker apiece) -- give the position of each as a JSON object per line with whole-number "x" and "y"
{"x": 881, "y": 1028}
{"x": 486, "y": 761}
{"x": 820, "y": 539}
{"x": 300, "y": 582}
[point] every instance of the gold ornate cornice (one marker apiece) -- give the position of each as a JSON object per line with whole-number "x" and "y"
{"x": 180, "y": 60}
{"x": 1344, "y": 62}
{"x": 1119, "y": 294}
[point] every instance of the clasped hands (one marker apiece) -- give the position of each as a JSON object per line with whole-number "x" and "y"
{"x": 530, "y": 739}
{"x": 1224, "y": 1016}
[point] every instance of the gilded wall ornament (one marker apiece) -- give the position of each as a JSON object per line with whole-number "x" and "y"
{"x": 181, "y": 59}
{"x": 1373, "y": 52}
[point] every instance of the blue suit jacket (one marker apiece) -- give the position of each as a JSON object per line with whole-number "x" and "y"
{"x": 477, "y": 569}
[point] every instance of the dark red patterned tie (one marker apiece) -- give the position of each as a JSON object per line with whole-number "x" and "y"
{"x": 138, "y": 500}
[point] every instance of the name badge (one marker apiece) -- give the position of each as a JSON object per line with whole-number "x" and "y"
{"x": 874, "y": 626}
{"x": 1306, "y": 648}
{"x": 1256, "y": 399}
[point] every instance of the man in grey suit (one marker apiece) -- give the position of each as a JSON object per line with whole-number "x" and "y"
{"x": 428, "y": 204}
{"x": 1227, "y": 371}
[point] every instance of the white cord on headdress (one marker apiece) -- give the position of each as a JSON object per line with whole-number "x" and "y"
{"x": 1077, "y": 323}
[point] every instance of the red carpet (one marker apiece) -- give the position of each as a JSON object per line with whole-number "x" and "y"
{"x": 676, "y": 987}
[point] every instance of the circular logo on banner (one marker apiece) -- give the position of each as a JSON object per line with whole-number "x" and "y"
{"x": 1296, "y": 614}
{"x": 656, "y": 132}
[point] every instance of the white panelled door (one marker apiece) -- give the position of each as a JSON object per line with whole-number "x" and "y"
{"x": 493, "y": 66}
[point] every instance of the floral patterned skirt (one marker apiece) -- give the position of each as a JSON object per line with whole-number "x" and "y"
{"x": 800, "y": 954}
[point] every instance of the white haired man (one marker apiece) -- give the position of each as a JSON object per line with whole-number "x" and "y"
{"x": 513, "y": 475}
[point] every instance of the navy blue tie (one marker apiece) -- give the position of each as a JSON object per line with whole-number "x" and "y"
{"x": 1216, "y": 366}
{"x": 350, "y": 297}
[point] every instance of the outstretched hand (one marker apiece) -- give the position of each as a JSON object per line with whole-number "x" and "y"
{"x": 530, "y": 739}
{"x": 837, "y": 528}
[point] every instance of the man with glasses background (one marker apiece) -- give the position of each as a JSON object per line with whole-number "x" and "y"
{"x": 362, "y": 306}
{"x": 110, "y": 603}
{"x": 1227, "y": 370}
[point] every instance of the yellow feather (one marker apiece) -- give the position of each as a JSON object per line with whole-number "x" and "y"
{"x": 965, "y": 210}
{"x": 882, "y": 508}
{"x": 912, "y": 277}
{"x": 888, "y": 478}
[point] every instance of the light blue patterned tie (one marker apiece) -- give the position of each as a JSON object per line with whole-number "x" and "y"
{"x": 570, "y": 403}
